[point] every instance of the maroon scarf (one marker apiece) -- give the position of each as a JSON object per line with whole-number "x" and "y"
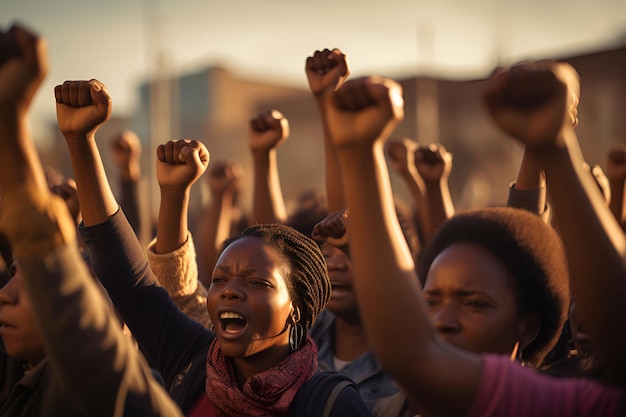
{"x": 268, "y": 393}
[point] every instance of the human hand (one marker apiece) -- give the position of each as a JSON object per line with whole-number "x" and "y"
{"x": 82, "y": 106}
{"x": 333, "y": 229}
{"x": 534, "y": 101}
{"x": 67, "y": 190}
{"x": 326, "y": 71}
{"x": 400, "y": 152}
{"x": 364, "y": 110}
{"x": 180, "y": 163}
{"x": 433, "y": 162}
{"x": 616, "y": 163}
{"x": 600, "y": 178}
{"x": 225, "y": 178}
{"x": 23, "y": 67}
{"x": 267, "y": 131}
{"x": 126, "y": 149}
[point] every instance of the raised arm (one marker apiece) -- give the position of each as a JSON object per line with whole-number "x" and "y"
{"x": 267, "y": 131}
{"x": 616, "y": 173}
{"x": 117, "y": 257}
{"x": 401, "y": 155}
{"x": 179, "y": 164}
{"x": 126, "y": 150}
{"x": 224, "y": 179}
{"x": 326, "y": 71}
{"x": 434, "y": 163}
{"x": 79, "y": 328}
{"x": 361, "y": 116}
{"x": 172, "y": 255}
{"x": 82, "y": 107}
{"x": 536, "y": 103}
{"x": 528, "y": 191}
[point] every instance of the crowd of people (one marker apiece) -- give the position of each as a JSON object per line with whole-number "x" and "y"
{"x": 348, "y": 305}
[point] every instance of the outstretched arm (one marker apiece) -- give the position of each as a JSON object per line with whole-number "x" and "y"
{"x": 434, "y": 163}
{"x": 326, "y": 71}
{"x": 401, "y": 153}
{"x": 536, "y": 103}
{"x": 528, "y": 192}
{"x": 79, "y": 328}
{"x": 126, "y": 149}
{"x": 267, "y": 131}
{"x": 224, "y": 181}
{"x": 82, "y": 107}
{"x": 172, "y": 254}
{"x": 442, "y": 379}
{"x": 179, "y": 164}
{"x": 616, "y": 173}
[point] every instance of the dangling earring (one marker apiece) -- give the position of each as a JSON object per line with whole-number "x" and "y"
{"x": 296, "y": 331}
{"x": 516, "y": 354}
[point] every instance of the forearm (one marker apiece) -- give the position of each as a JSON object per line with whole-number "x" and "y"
{"x": 440, "y": 205}
{"x": 595, "y": 248}
{"x": 418, "y": 192}
{"x": 333, "y": 179}
{"x": 436, "y": 375}
{"x": 129, "y": 202}
{"x": 215, "y": 229}
{"x": 617, "y": 198}
{"x": 268, "y": 203}
{"x": 172, "y": 228}
{"x": 378, "y": 250}
{"x": 19, "y": 161}
{"x": 97, "y": 202}
{"x": 60, "y": 282}
{"x": 167, "y": 336}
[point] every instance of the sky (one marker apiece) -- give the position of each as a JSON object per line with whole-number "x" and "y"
{"x": 119, "y": 41}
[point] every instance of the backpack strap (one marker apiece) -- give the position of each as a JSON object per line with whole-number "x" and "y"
{"x": 333, "y": 396}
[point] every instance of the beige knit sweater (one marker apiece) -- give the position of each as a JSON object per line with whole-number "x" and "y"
{"x": 177, "y": 272}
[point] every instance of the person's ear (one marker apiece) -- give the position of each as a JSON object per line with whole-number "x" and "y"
{"x": 528, "y": 329}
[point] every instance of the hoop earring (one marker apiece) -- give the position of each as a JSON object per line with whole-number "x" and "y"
{"x": 296, "y": 332}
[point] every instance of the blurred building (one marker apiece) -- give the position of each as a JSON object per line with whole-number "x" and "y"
{"x": 214, "y": 105}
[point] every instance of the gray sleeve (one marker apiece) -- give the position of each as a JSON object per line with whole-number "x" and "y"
{"x": 100, "y": 366}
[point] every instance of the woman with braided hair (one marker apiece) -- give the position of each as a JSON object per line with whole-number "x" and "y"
{"x": 267, "y": 288}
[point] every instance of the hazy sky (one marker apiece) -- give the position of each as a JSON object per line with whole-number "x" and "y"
{"x": 117, "y": 41}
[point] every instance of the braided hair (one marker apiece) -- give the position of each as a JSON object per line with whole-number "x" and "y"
{"x": 309, "y": 282}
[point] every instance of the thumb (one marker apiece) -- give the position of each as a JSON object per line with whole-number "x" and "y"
{"x": 194, "y": 154}
{"x": 99, "y": 93}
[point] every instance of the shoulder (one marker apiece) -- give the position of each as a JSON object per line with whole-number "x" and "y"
{"x": 322, "y": 324}
{"x": 329, "y": 390}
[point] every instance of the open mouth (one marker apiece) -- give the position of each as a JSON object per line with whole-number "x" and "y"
{"x": 232, "y": 323}
{"x": 339, "y": 288}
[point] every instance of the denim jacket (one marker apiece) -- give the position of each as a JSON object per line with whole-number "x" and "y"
{"x": 365, "y": 371}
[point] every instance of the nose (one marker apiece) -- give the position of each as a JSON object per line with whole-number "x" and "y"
{"x": 9, "y": 293}
{"x": 446, "y": 319}
{"x": 334, "y": 261}
{"x": 232, "y": 291}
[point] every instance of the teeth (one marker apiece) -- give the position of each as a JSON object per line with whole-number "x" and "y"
{"x": 231, "y": 315}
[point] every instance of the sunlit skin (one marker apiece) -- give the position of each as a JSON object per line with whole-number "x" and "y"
{"x": 471, "y": 299}
{"x": 343, "y": 301}
{"x": 250, "y": 280}
{"x": 18, "y": 328}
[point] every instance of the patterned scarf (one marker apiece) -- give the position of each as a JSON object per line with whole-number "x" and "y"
{"x": 268, "y": 393}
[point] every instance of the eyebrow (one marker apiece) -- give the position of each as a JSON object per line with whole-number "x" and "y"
{"x": 460, "y": 293}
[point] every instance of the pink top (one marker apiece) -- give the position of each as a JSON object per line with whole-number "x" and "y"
{"x": 507, "y": 389}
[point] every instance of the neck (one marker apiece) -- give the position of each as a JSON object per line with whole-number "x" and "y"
{"x": 350, "y": 339}
{"x": 249, "y": 366}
